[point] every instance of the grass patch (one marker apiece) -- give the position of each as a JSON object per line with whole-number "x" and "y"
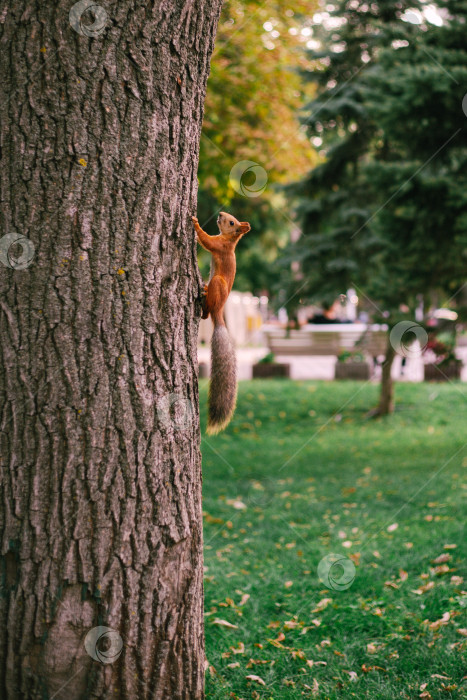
{"x": 300, "y": 474}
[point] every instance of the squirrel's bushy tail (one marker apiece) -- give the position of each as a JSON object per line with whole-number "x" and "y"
{"x": 223, "y": 385}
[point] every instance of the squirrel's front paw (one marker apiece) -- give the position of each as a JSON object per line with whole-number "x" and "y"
{"x": 205, "y": 290}
{"x": 194, "y": 220}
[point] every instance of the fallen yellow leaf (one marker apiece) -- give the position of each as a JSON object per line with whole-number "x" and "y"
{"x": 442, "y": 558}
{"x": 424, "y": 589}
{"x": 256, "y": 679}
{"x": 439, "y": 623}
{"x": 224, "y": 623}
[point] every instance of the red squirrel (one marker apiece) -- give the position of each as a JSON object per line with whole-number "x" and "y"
{"x": 223, "y": 385}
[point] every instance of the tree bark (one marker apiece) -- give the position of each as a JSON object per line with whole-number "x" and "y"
{"x": 100, "y": 485}
{"x": 386, "y": 399}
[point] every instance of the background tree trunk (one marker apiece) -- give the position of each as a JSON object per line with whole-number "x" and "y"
{"x": 386, "y": 398}
{"x": 101, "y": 483}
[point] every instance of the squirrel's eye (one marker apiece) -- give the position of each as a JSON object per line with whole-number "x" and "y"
{"x": 231, "y": 223}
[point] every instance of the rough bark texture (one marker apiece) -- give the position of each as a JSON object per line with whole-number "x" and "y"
{"x": 386, "y": 398}
{"x": 100, "y": 519}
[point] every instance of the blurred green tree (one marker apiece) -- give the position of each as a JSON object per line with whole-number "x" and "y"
{"x": 253, "y": 95}
{"x": 385, "y": 212}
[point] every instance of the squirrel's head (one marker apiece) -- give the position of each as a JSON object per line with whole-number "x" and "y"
{"x": 230, "y": 226}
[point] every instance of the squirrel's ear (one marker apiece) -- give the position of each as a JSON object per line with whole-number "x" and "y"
{"x": 244, "y": 227}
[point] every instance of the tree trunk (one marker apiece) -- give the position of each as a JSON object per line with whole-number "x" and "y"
{"x": 386, "y": 398}
{"x": 100, "y": 487}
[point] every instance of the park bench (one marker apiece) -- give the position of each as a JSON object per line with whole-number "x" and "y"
{"x": 327, "y": 339}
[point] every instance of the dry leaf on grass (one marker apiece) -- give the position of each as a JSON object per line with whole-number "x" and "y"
{"x": 391, "y": 584}
{"x": 297, "y": 654}
{"x": 439, "y": 623}
{"x": 314, "y": 689}
{"x": 424, "y": 589}
{"x": 235, "y": 503}
{"x": 442, "y": 558}
{"x": 440, "y": 570}
{"x": 291, "y": 624}
{"x": 322, "y": 604}
{"x": 224, "y": 623}
{"x": 457, "y": 580}
{"x": 353, "y": 675}
{"x": 276, "y": 643}
{"x": 256, "y": 679}
{"x": 442, "y": 678}
{"x": 211, "y": 520}
{"x": 256, "y": 662}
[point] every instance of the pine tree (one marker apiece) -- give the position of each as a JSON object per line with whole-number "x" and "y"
{"x": 385, "y": 211}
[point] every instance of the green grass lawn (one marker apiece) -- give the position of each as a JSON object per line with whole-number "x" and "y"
{"x": 301, "y": 473}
